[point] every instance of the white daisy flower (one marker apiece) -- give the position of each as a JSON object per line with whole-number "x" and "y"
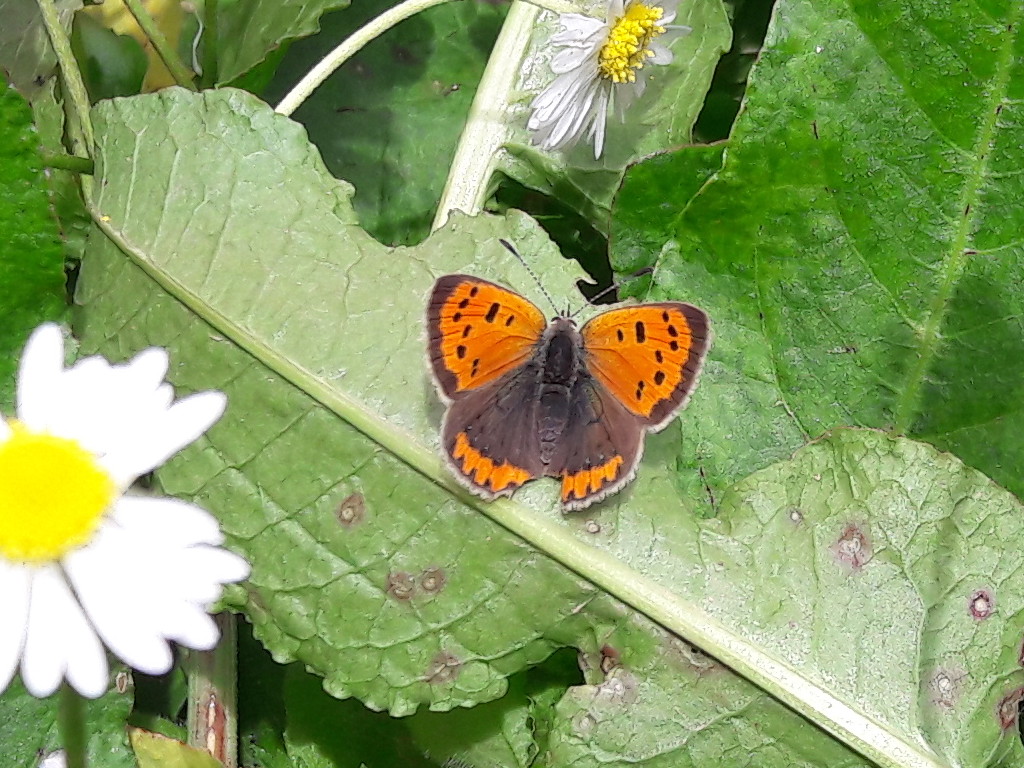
{"x": 600, "y": 65}
{"x": 82, "y": 564}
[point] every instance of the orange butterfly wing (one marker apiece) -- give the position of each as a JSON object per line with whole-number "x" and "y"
{"x": 648, "y": 356}
{"x": 478, "y": 331}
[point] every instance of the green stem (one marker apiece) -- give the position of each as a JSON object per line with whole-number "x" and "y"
{"x": 349, "y": 48}
{"x": 182, "y": 75}
{"x": 71, "y": 725}
{"x": 488, "y": 125}
{"x": 67, "y": 162}
{"x": 213, "y": 695}
{"x": 76, "y": 105}
{"x": 211, "y": 45}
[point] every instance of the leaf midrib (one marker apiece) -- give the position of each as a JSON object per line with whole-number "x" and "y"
{"x": 956, "y": 259}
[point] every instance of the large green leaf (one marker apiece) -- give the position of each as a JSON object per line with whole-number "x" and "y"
{"x": 248, "y": 30}
{"x": 221, "y": 235}
{"x": 858, "y": 250}
{"x": 31, "y": 256}
{"x": 29, "y": 731}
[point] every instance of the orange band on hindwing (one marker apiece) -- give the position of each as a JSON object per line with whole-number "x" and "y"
{"x": 589, "y": 481}
{"x": 484, "y": 471}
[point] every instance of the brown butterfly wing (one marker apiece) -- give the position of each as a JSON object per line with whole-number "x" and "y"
{"x": 490, "y": 434}
{"x": 648, "y": 356}
{"x": 600, "y": 447}
{"x": 478, "y": 332}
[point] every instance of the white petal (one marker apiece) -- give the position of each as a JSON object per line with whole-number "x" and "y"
{"x": 147, "y": 369}
{"x": 119, "y": 601}
{"x": 60, "y": 641}
{"x": 15, "y": 588}
{"x": 569, "y": 59}
{"x": 577, "y": 29}
{"x": 56, "y": 759}
{"x": 42, "y": 364}
{"x": 190, "y": 626}
{"x": 166, "y": 521}
{"x": 202, "y": 572}
{"x": 175, "y": 428}
{"x": 597, "y": 130}
{"x": 662, "y": 55}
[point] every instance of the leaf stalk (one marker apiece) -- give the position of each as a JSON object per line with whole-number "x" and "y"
{"x": 348, "y": 48}
{"x": 182, "y": 75}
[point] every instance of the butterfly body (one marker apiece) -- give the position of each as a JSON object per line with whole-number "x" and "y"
{"x": 529, "y": 398}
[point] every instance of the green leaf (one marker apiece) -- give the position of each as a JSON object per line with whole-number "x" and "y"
{"x": 861, "y": 563}
{"x": 32, "y": 258}
{"x": 28, "y": 727}
{"x": 112, "y": 64}
{"x": 857, "y": 251}
{"x": 221, "y": 235}
{"x": 389, "y": 120}
{"x": 326, "y": 733}
{"x": 156, "y": 751}
{"x": 661, "y": 118}
{"x": 248, "y": 30}
{"x": 25, "y": 52}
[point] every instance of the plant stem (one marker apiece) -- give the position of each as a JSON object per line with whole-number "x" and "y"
{"x": 487, "y": 127}
{"x": 71, "y": 725}
{"x": 213, "y": 695}
{"x": 67, "y": 162}
{"x": 76, "y": 106}
{"x": 182, "y": 75}
{"x": 350, "y": 47}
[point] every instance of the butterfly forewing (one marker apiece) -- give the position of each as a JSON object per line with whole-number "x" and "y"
{"x": 648, "y": 356}
{"x": 478, "y": 332}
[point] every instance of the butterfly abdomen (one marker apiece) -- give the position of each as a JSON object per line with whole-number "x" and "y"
{"x": 560, "y": 369}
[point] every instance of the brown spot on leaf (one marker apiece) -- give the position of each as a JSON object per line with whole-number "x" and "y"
{"x": 433, "y": 580}
{"x": 1009, "y": 708}
{"x": 853, "y": 547}
{"x": 401, "y": 585}
{"x": 946, "y": 685}
{"x": 981, "y": 604}
{"x": 352, "y": 511}
{"x": 443, "y": 668}
{"x": 610, "y": 659}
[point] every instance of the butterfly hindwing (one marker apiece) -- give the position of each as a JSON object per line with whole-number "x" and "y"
{"x": 648, "y": 356}
{"x": 600, "y": 447}
{"x": 490, "y": 435}
{"x": 478, "y": 332}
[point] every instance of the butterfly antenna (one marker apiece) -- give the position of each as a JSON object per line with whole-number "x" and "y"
{"x": 615, "y": 286}
{"x": 533, "y": 274}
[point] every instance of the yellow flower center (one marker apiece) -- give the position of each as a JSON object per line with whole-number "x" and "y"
{"x": 52, "y": 495}
{"x": 628, "y": 43}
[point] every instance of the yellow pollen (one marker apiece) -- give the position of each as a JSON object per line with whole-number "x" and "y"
{"x": 627, "y": 47}
{"x": 52, "y": 495}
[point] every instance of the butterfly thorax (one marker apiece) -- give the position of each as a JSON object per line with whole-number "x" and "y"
{"x": 560, "y": 369}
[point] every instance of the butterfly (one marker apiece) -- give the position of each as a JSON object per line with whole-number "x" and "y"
{"x": 529, "y": 398}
